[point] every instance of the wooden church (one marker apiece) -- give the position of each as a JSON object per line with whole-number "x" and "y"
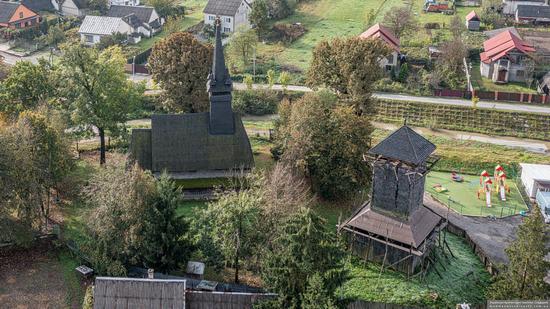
{"x": 393, "y": 227}
{"x": 200, "y": 145}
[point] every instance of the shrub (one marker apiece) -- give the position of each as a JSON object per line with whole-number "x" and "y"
{"x": 256, "y": 102}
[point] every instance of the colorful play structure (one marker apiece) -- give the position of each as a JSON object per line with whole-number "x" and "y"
{"x": 500, "y": 186}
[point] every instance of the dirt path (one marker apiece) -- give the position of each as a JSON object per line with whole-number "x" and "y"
{"x": 535, "y": 146}
{"x": 31, "y": 278}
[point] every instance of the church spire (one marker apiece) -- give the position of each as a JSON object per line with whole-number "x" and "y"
{"x": 219, "y": 80}
{"x": 220, "y": 86}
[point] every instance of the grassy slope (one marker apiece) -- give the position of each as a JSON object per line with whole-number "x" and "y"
{"x": 325, "y": 19}
{"x": 368, "y": 284}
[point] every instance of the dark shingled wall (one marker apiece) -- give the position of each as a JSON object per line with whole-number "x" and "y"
{"x": 398, "y": 191}
{"x": 182, "y": 143}
{"x": 140, "y": 148}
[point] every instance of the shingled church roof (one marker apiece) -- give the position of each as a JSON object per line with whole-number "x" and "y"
{"x": 404, "y": 145}
{"x": 199, "y": 145}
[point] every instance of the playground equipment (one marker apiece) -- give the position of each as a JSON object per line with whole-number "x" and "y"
{"x": 500, "y": 183}
{"x": 456, "y": 177}
{"x": 486, "y": 187}
{"x": 439, "y": 188}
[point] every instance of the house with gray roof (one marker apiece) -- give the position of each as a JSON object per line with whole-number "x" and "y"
{"x": 533, "y": 14}
{"x": 205, "y": 145}
{"x": 144, "y": 19}
{"x": 509, "y": 7}
{"x": 71, "y": 7}
{"x": 94, "y": 28}
{"x": 233, "y": 14}
{"x": 153, "y": 293}
{"x": 39, "y": 5}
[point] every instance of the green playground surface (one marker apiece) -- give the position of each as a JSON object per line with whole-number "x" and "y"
{"x": 462, "y": 196}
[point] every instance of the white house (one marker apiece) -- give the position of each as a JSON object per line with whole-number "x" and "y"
{"x": 504, "y": 58}
{"x": 71, "y": 7}
{"x": 510, "y": 6}
{"x": 93, "y": 28}
{"x": 535, "y": 178}
{"x": 380, "y": 32}
{"x": 143, "y": 19}
{"x": 233, "y": 13}
{"x": 124, "y": 2}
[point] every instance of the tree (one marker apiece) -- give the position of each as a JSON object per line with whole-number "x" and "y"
{"x": 271, "y": 79}
{"x": 4, "y": 69}
{"x": 107, "y": 41}
{"x": 524, "y": 276}
{"x": 284, "y": 79}
{"x": 259, "y": 16}
{"x": 165, "y": 244}
{"x": 325, "y": 141}
{"x": 97, "y": 90}
{"x": 403, "y": 73}
{"x": 39, "y": 158}
{"x": 119, "y": 199}
{"x": 100, "y": 6}
{"x": 456, "y": 27}
{"x": 400, "y": 20}
{"x": 54, "y": 37}
{"x": 304, "y": 265}
{"x": 491, "y": 14}
{"x": 348, "y": 67}
{"x": 163, "y": 7}
{"x": 530, "y": 65}
{"x": 279, "y": 9}
{"x": 234, "y": 220}
{"x": 173, "y": 24}
{"x": 242, "y": 46}
{"x": 451, "y": 63}
{"x": 181, "y": 64}
{"x": 26, "y": 87}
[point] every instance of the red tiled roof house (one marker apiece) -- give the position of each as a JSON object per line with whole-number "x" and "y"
{"x": 380, "y": 32}
{"x": 15, "y": 15}
{"x": 473, "y": 21}
{"x": 504, "y": 58}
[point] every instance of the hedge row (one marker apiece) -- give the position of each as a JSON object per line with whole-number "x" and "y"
{"x": 461, "y": 118}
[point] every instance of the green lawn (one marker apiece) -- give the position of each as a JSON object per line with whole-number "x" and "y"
{"x": 464, "y": 196}
{"x": 325, "y": 19}
{"x": 464, "y": 280}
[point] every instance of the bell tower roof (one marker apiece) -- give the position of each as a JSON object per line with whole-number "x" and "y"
{"x": 219, "y": 80}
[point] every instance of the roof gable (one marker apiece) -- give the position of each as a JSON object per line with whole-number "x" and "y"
{"x": 501, "y": 44}
{"x": 7, "y": 9}
{"x": 404, "y": 145}
{"x": 143, "y": 13}
{"x": 533, "y": 11}
{"x": 378, "y": 31}
{"x": 472, "y": 16}
{"x": 138, "y": 293}
{"x": 223, "y": 7}
{"x": 101, "y": 25}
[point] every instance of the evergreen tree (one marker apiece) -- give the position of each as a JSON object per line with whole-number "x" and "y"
{"x": 524, "y": 277}
{"x": 304, "y": 265}
{"x": 403, "y": 73}
{"x": 164, "y": 244}
{"x": 259, "y": 16}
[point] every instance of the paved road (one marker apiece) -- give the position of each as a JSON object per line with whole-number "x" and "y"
{"x": 400, "y": 97}
{"x": 11, "y": 59}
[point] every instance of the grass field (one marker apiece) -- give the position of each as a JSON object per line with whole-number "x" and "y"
{"x": 325, "y": 19}
{"x": 464, "y": 196}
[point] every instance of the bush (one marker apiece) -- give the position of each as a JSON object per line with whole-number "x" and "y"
{"x": 256, "y": 102}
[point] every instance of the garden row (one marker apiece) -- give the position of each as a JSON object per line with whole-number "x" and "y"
{"x": 525, "y": 125}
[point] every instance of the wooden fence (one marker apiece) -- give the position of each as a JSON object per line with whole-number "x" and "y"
{"x": 494, "y": 96}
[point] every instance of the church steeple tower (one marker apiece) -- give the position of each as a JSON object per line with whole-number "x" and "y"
{"x": 219, "y": 87}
